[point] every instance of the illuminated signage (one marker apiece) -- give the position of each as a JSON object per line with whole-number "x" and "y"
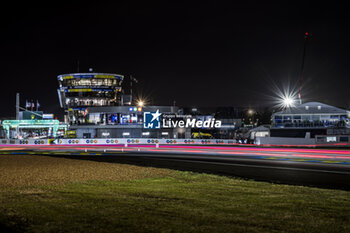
{"x": 191, "y": 123}
{"x": 151, "y": 120}
{"x": 47, "y": 116}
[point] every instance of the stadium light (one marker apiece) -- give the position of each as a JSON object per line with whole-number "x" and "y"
{"x": 288, "y": 102}
{"x": 286, "y": 97}
{"x": 140, "y": 103}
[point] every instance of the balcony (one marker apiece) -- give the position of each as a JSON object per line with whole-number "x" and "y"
{"x": 310, "y": 124}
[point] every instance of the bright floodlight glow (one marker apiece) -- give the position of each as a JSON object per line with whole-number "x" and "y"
{"x": 250, "y": 111}
{"x": 140, "y": 103}
{"x": 288, "y": 102}
{"x": 284, "y": 96}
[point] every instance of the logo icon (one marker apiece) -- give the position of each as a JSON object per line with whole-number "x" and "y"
{"x": 151, "y": 120}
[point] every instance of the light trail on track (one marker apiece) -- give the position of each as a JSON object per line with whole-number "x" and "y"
{"x": 307, "y": 153}
{"x": 302, "y": 166}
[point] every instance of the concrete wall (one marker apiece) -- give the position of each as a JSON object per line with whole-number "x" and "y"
{"x": 81, "y": 132}
{"x": 284, "y": 141}
{"x": 118, "y": 133}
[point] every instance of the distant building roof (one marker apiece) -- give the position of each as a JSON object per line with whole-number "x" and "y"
{"x": 259, "y": 129}
{"x": 313, "y": 108}
{"x": 90, "y": 75}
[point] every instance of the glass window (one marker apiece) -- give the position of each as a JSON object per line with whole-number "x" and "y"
{"x": 287, "y": 119}
{"x": 331, "y": 139}
{"x": 125, "y": 119}
{"x": 315, "y": 117}
{"x": 306, "y": 117}
{"x": 278, "y": 119}
{"x": 325, "y": 117}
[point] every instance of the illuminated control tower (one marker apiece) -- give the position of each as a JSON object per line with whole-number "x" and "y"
{"x": 78, "y": 91}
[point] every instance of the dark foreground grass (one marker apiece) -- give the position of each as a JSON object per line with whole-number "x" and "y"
{"x": 173, "y": 202}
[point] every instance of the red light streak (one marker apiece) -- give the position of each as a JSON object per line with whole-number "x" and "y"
{"x": 200, "y": 149}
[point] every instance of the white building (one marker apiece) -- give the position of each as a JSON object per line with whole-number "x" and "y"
{"x": 311, "y": 115}
{"x": 309, "y": 124}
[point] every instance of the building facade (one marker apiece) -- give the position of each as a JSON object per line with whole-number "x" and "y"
{"x": 124, "y": 122}
{"x": 313, "y": 117}
{"x": 95, "y": 108}
{"x": 79, "y": 91}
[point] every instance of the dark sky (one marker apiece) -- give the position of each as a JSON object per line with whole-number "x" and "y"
{"x": 204, "y": 54}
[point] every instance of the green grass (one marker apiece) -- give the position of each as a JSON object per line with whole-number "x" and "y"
{"x": 179, "y": 202}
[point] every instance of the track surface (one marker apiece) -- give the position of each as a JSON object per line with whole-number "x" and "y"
{"x": 313, "y": 167}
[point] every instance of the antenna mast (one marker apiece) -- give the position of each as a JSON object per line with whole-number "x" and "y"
{"x": 307, "y": 37}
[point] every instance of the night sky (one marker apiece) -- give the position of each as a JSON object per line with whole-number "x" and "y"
{"x": 204, "y": 54}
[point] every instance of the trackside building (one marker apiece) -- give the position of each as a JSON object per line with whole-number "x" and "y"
{"x": 314, "y": 118}
{"x": 95, "y": 107}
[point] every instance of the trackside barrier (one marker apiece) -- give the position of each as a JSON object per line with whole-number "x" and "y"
{"x": 284, "y": 141}
{"x": 318, "y": 141}
{"x": 139, "y": 141}
{"x": 115, "y": 141}
{"x": 4, "y": 141}
{"x": 33, "y": 142}
{"x": 25, "y": 141}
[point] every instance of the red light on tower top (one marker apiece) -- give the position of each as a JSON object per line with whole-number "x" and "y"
{"x": 307, "y": 36}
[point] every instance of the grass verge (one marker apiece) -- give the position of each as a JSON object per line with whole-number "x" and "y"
{"x": 157, "y": 200}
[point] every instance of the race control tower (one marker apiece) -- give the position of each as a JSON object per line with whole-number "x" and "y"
{"x": 78, "y": 91}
